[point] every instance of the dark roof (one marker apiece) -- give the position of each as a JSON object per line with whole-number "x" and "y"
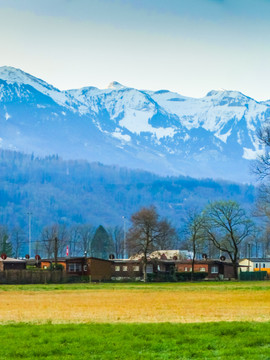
{"x": 256, "y": 259}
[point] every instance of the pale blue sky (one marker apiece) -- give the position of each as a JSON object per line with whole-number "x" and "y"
{"x": 188, "y": 46}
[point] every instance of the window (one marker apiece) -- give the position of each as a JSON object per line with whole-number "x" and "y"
{"x": 125, "y": 268}
{"x": 256, "y": 265}
{"x": 185, "y": 268}
{"x": 214, "y": 270}
{"x": 117, "y": 268}
{"x": 136, "y": 268}
{"x": 149, "y": 269}
{"x": 74, "y": 267}
{"x": 202, "y": 269}
{"x": 84, "y": 267}
{"x": 264, "y": 266}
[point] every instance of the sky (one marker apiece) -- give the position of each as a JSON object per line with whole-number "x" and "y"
{"x": 187, "y": 46}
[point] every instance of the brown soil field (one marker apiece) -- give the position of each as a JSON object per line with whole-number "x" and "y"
{"x": 118, "y": 305}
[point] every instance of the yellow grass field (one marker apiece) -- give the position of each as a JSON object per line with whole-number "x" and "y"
{"x": 175, "y": 303}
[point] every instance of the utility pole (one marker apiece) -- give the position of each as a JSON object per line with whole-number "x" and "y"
{"x": 29, "y": 231}
{"x": 55, "y": 251}
{"x": 248, "y": 256}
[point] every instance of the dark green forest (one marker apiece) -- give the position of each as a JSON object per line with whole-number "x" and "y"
{"x": 56, "y": 191}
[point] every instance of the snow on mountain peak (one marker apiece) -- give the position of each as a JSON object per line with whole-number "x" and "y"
{"x": 222, "y": 93}
{"x": 16, "y": 76}
{"x": 114, "y": 85}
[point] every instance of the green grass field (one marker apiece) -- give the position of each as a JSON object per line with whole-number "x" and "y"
{"x": 136, "y": 341}
{"x": 155, "y": 340}
{"x": 186, "y": 286}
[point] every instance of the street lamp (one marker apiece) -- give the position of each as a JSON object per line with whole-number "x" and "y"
{"x": 29, "y": 231}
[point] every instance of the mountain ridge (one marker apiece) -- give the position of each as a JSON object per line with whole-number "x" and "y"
{"x": 161, "y": 131}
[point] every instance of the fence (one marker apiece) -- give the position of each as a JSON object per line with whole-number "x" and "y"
{"x": 253, "y": 275}
{"x": 36, "y": 277}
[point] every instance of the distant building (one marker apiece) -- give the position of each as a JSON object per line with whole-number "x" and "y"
{"x": 132, "y": 269}
{"x": 96, "y": 269}
{"x": 255, "y": 264}
{"x": 12, "y": 264}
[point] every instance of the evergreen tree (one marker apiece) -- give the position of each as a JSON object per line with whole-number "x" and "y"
{"x": 102, "y": 245}
{"x": 5, "y": 245}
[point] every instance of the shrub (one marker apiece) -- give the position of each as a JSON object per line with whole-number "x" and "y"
{"x": 56, "y": 267}
{"x": 188, "y": 276}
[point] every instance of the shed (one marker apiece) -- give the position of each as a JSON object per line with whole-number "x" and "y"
{"x": 12, "y": 264}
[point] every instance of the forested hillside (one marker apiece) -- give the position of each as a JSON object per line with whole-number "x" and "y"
{"x": 78, "y": 192}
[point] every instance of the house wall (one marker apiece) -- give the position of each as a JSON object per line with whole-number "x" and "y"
{"x": 263, "y": 269}
{"x": 228, "y": 271}
{"x": 213, "y": 268}
{"x": 14, "y": 266}
{"x": 46, "y": 264}
{"x": 79, "y": 263}
{"x": 128, "y": 270}
{"x": 187, "y": 267}
{"x": 99, "y": 270}
{"x": 9, "y": 265}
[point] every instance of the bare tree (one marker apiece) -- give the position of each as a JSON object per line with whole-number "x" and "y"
{"x": 167, "y": 238}
{"x": 75, "y": 239}
{"x": 146, "y": 234}
{"x": 195, "y": 233}
{"x": 86, "y": 233}
{"x": 18, "y": 237}
{"x": 117, "y": 235}
{"x": 227, "y": 225}
{"x": 54, "y": 239}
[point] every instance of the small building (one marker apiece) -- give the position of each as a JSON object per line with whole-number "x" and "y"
{"x": 215, "y": 269}
{"x": 126, "y": 269}
{"x": 133, "y": 269}
{"x": 96, "y": 269}
{"x": 12, "y": 264}
{"x": 255, "y": 264}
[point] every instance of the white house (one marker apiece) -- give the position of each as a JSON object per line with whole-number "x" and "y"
{"x": 255, "y": 264}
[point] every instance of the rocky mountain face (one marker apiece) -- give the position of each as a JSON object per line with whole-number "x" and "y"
{"x": 159, "y": 131}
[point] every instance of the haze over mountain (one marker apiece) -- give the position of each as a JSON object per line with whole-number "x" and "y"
{"x": 159, "y": 131}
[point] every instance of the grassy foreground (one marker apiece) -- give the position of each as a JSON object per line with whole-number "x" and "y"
{"x": 236, "y": 340}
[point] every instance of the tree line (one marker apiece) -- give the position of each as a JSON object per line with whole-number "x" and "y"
{"x": 54, "y": 241}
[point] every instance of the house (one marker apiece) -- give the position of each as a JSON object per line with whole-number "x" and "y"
{"x": 126, "y": 269}
{"x": 132, "y": 269}
{"x": 216, "y": 269}
{"x": 255, "y": 264}
{"x": 12, "y": 264}
{"x": 96, "y": 269}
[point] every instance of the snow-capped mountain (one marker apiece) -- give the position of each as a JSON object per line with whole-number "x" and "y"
{"x": 160, "y": 131}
